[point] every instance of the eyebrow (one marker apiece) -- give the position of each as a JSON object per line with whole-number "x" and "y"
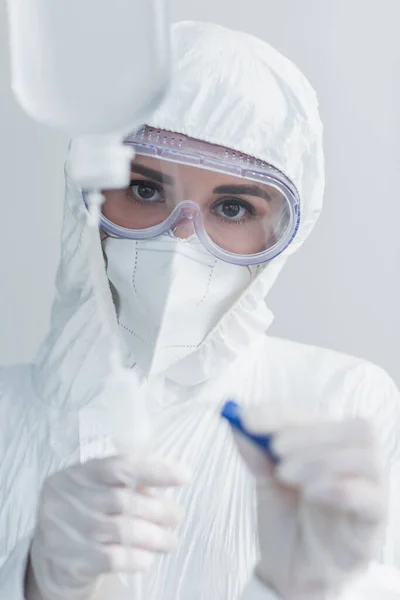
{"x": 152, "y": 173}
{"x": 247, "y": 190}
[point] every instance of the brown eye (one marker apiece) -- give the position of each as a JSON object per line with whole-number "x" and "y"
{"x": 234, "y": 210}
{"x": 231, "y": 209}
{"x": 145, "y": 191}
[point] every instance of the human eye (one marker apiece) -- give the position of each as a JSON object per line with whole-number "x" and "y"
{"x": 145, "y": 192}
{"x": 234, "y": 210}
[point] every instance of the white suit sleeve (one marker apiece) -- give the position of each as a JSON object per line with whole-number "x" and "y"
{"x": 372, "y": 394}
{"x": 12, "y": 572}
{"x": 382, "y": 406}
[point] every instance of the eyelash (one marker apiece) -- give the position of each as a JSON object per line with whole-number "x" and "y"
{"x": 133, "y": 182}
{"x": 250, "y": 214}
{"x": 250, "y": 211}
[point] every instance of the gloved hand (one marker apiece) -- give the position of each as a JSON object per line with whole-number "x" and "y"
{"x": 91, "y": 521}
{"x": 321, "y": 509}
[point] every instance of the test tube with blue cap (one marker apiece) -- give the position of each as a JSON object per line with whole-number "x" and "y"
{"x": 231, "y": 411}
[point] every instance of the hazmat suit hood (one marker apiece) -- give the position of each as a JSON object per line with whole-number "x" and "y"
{"x": 231, "y": 89}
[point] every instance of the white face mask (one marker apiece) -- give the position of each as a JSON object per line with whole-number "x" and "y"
{"x": 170, "y": 293}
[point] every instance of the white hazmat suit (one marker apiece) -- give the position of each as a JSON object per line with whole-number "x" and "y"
{"x": 231, "y": 89}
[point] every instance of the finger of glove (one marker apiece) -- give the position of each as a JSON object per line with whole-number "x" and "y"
{"x": 270, "y": 417}
{"x": 119, "y": 471}
{"x": 63, "y": 545}
{"x": 127, "y": 531}
{"x": 122, "y": 501}
{"x": 320, "y": 436}
{"x": 257, "y": 461}
{"x": 156, "y": 472}
{"x": 67, "y": 517}
{"x": 73, "y": 517}
{"x": 307, "y": 467}
{"x": 364, "y": 499}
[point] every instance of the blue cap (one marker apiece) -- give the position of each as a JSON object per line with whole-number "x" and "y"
{"x": 231, "y": 412}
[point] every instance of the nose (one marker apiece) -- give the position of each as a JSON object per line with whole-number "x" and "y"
{"x": 184, "y": 229}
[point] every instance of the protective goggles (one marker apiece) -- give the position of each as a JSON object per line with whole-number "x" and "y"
{"x": 243, "y": 210}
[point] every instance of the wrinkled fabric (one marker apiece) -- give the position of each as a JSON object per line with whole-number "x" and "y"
{"x": 231, "y": 89}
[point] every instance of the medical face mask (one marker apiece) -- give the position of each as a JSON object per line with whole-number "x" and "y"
{"x": 169, "y": 293}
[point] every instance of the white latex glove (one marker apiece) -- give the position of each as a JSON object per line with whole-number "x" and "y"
{"x": 320, "y": 511}
{"x": 91, "y": 521}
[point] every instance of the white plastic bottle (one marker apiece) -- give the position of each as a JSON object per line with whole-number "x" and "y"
{"x": 89, "y": 66}
{"x": 94, "y": 69}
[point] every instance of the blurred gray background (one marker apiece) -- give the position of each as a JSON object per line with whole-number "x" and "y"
{"x": 342, "y": 290}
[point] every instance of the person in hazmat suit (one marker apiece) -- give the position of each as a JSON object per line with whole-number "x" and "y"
{"x": 227, "y": 182}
